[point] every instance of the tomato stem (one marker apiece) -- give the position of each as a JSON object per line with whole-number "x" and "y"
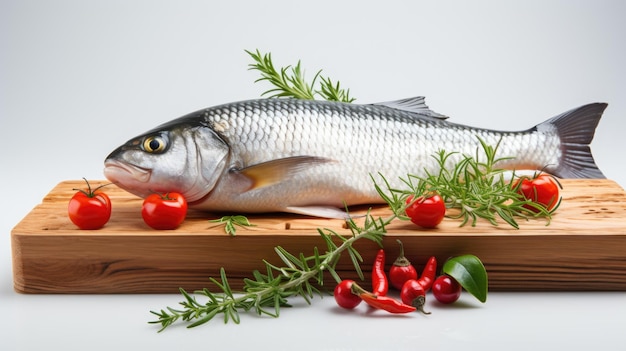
{"x": 89, "y": 192}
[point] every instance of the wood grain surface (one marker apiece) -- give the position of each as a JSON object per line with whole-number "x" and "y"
{"x": 583, "y": 248}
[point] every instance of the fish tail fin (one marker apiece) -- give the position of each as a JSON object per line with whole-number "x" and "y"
{"x": 576, "y": 129}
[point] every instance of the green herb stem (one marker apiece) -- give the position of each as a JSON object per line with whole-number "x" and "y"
{"x": 232, "y": 222}
{"x": 473, "y": 188}
{"x": 267, "y": 293}
{"x": 291, "y": 81}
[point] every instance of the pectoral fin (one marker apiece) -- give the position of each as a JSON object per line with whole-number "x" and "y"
{"x": 276, "y": 171}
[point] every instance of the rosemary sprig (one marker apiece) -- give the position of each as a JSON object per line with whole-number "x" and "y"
{"x": 266, "y": 293}
{"x": 333, "y": 92}
{"x": 473, "y": 188}
{"x": 232, "y": 222}
{"x": 291, "y": 82}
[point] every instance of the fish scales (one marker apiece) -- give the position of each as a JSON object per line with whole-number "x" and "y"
{"x": 306, "y": 156}
{"x": 382, "y": 140}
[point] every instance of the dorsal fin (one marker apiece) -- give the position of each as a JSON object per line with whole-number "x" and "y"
{"x": 415, "y": 104}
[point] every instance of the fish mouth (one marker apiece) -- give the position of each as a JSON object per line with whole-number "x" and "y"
{"x": 115, "y": 171}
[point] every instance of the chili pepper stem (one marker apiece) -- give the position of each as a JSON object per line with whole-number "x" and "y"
{"x": 401, "y": 261}
{"x": 419, "y": 303}
{"x": 357, "y": 290}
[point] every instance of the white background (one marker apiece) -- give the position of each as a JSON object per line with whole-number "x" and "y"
{"x": 77, "y": 78}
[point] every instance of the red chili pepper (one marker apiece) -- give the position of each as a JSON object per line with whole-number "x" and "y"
{"x": 428, "y": 274}
{"x": 380, "y": 285}
{"x": 414, "y": 294}
{"x": 401, "y": 270}
{"x": 386, "y": 303}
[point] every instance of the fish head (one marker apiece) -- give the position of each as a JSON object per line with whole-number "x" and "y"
{"x": 183, "y": 156}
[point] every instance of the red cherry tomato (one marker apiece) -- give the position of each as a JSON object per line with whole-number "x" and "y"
{"x": 427, "y": 211}
{"x": 164, "y": 211}
{"x": 89, "y": 209}
{"x": 542, "y": 189}
{"x": 446, "y": 289}
{"x": 344, "y": 295}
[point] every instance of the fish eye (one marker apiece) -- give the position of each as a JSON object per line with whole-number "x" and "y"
{"x": 154, "y": 144}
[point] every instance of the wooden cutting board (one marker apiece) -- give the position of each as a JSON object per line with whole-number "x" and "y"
{"x": 583, "y": 248}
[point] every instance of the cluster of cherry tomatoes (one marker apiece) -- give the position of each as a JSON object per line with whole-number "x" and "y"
{"x": 90, "y": 209}
{"x": 403, "y": 277}
{"x": 543, "y": 191}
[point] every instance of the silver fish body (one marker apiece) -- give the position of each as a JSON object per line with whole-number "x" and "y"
{"x": 313, "y": 157}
